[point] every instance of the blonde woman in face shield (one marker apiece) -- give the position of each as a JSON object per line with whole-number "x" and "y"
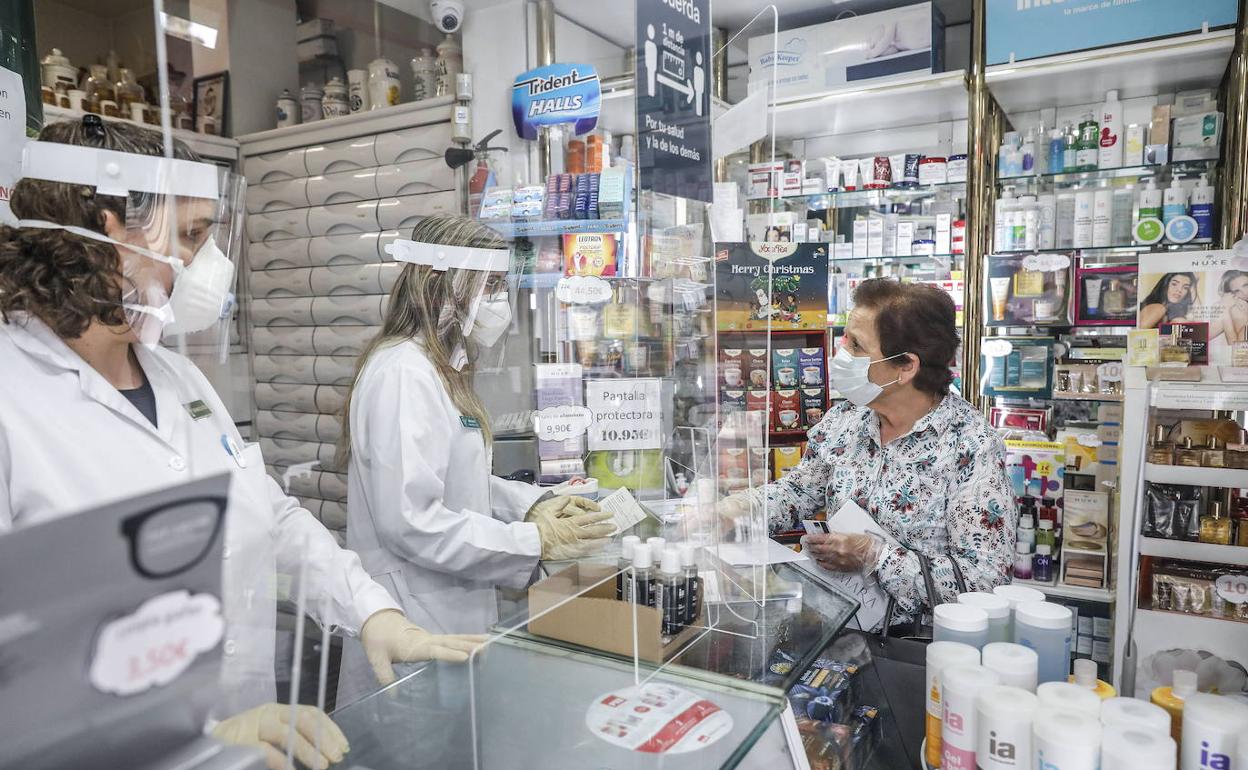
{"x": 92, "y": 409}
{"x": 428, "y": 518}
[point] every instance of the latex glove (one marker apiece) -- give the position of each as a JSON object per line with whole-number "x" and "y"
{"x": 734, "y": 506}
{"x": 560, "y": 506}
{"x": 268, "y": 727}
{"x": 839, "y": 552}
{"x": 389, "y": 637}
{"x": 574, "y": 537}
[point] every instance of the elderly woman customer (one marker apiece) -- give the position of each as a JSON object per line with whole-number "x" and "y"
{"x": 917, "y": 458}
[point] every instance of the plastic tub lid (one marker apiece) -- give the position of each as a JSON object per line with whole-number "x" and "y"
{"x": 994, "y": 605}
{"x": 1138, "y": 747}
{"x": 1017, "y": 595}
{"x": 961, "y": 617}
{"x": 945, "y": 653}
{"x": 1067, "y": 728}
{"x": 1003, "y": 700}
{"x": 1069, "y": 697}
{"x": 1009, "y": 655}
{"x": 1134, "y": 711}
{"x": 1216, "y": 711}
{"x": 967, "y": 678}
{"x": 1043, "y": 615}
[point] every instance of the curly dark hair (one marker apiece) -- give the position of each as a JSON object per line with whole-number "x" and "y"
{"x": 66, "y": 280}
{"x": 915, "y": 318}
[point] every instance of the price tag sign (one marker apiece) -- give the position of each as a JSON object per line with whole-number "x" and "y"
{"x": 155, "y": 644}
{"x": 1090, "y": 440}
{"x": 627, "y": 414}
{"x": 583, "y": 290}
{"x": 1110, "y": 371}
{"x": 1233, "y": 588}
{"x": 560, "y": 423}
{"x": 996, "y": 348}
{"x": 1043, "y": 468}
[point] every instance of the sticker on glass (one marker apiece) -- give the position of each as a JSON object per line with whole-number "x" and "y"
{"x": 657, "y": 719}
{"x": 157, "y": 642}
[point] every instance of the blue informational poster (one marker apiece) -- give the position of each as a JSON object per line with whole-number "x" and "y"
{"x": 1028, "y": 29}
{"x": 673, "y": 83}
{"x": 554, "y": 94}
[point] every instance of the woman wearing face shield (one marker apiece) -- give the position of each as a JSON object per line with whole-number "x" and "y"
{"x": 917, "y": 458}
{"x": 428, "y": 518}
{"x": 101, "y": 262}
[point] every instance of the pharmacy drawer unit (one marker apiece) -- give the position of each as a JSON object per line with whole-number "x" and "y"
{"x": 322, "y": 206}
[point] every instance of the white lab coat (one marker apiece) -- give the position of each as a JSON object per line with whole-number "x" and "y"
{"x": 429, "y": 520}
{"x": 69, "y": 440}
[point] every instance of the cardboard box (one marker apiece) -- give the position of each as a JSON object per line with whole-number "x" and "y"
{"x": 578, "y": 605}
{"x": 1159, "y": 129}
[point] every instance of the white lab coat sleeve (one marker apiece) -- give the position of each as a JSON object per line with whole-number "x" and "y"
{"x": 6, "y": 501}
{"x": 340, "y": 592}
{"x": 399, "y": 416}
{"x": 511, "y": 500}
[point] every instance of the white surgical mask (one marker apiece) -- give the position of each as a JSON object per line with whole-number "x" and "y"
{"x": 848, "y": 374}
{"x": 201, "y": 291}
{"x": 491, "y": 319}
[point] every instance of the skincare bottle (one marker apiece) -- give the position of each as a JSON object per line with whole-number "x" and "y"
{"x": 1042, "y": 563}
{"x": 1214, "y": 455}
{"x": 1065, "y": 221}
{"x": 1047, "y": 206}
{"x": 1089, "y": 148}
{"x": 671, "y": 593}
{"x": 693, "y": 591}
{"x": 1237, "y": 453}
{"x": 1031, "y": 222}
{"x": 1085, "y": 199}
{"x": 1085, "y": 676}
{"x": 1188, "y": 455}
{"x": 999, "y": 289}
{"x": 1057, "y": 146}
{"x": 1114, "y": 300}
{"x": 657, "y": 544}
{"x": 1214, "y": 526}
{"x": 1027, "y": 530}
{"x": 1044, "y": 535}
{"x": 1171, "y": 699}
{"x": 1150, "y": 201}
{"x": 1202, "y": 210}
{"x": 624, "y": 578}
{"x": 1028, "y": 150}
{"x": 1022, "y": 561}
{"x": 1102, "y": 215}
{"x": 1070, "y": 148}
{"x": 1161, "y": 451}
{"x": 1124, "y": 201}
{"x": 643, "y": 588}
{"x": 1175, "y": 201}
{"x": 1111, "y": 132}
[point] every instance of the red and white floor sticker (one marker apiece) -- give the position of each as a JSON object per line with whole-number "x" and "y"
{"x": 657, "y": 718}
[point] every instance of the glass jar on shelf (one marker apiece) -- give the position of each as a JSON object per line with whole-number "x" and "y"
{"x": 101, "y": 95}
{"x": 129, "y": 92}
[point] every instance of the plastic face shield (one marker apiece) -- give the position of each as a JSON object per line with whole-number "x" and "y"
{"x": 181, "y": 237}
{"x": 480, "y": 282}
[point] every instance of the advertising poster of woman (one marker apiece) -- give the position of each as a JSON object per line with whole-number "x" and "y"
{"x": 1198, "y": 287}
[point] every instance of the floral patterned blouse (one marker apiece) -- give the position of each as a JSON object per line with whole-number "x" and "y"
{"x": 940, "y": 490}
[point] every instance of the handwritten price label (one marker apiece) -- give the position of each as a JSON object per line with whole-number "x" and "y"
{"x": 154, "y": 645}
{"x": 583, "y": 290}
{"x": 1233, "y": 588}
{"x": 1109, "y": 372}
{"x": 560, "y": 423}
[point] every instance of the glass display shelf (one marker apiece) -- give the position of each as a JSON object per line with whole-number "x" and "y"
{"x": 1107, "y": 250}
{"x": 537, "y": 228}
{"x": 911, "y": 259}
{"x": 1168, "y": 170}
{"x": 867, "y": 197}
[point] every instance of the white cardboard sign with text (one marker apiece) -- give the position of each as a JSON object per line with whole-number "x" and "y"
{"x": 627, "y": 414}
{"x": 12, "y": 137}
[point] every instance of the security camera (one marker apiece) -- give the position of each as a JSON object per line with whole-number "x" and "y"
{"x": 447, "y": 14}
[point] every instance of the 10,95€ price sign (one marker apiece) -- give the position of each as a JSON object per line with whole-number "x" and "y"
{"x": 627, "y": 414}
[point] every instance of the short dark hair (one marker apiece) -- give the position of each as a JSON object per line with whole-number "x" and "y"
{"x": 914, "y": 318}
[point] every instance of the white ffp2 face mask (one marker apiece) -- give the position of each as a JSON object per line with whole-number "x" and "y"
{"x": 848, "y": 374}
{"x": 491, "y": 320}
{"x": 201, "y": 291}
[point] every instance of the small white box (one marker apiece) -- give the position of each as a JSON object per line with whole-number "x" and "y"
{"x": 1085, "y": 625}
{"x": 791, "y": 183}
{"x": 905, "y": 236}
{"x": 890, "y": 235}
{"x": 1102, "y": 628}
{"x": 875, "y": 236}
{"x": 1196, "y": 137}
{"x": 842, "y": 251}
{"x": 944, "y": 227}
{"x": 860, "y": 239}
{"x": 1133, "y": 146}
{"x": 1084, "y": 645}
{"x": 1100, "y": 650}
{"x": 799, "y": 232}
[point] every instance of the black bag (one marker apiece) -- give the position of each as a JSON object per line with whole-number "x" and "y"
{"x": 899, "y": 653}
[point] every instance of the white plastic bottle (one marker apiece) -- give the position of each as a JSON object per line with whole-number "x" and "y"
{"x": 1150, "y": 201}
{"x": 1031, "y": 222}
{"x": 1126, "y": 746}
{"x": 1085, "y": 200}
{"x": 1202, "y": 209}
{"x": 1047, "y": 204}
{"x": 1212, "y": 726}
{"x": 1124, "y": 201}
{"x": 1065, "y": 740}
{"x": 1065, "y": 223}
{"x": 1003, "y": 721}
{"x": 1102, "y": 216}
{"x": 1111, "y": 132}
{"x": 1174, "y": 202}
{"x": 1003, "y": 226}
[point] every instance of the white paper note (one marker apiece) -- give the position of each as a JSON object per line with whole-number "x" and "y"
{"x": 852, "y": 520}
{"x": 624, "y": 509}
{"x": 12, "y": 137}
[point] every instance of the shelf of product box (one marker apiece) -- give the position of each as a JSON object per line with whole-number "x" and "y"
{"x": 1197, "y": 477}
{"x": 1184, "y": 549}
{"x": 525, "y": 228}
{"x": 1103, "y": 595}
{"x": 205, "y": 145}
{"x": 1153, "y": 67}
{"x": 1165, "y": 172}
{"x": 1108, "y": 251}
{"x": 1106, "y": 397}
{"x": 909, "y": 100}
{"x": 910, "y": 259}
{"x": 869, "y": 197}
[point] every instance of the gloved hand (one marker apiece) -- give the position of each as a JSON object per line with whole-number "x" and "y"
{"x": 559, "y": 506}
{"x": 839, "y": 552}
{"x": 389, "y": 637}
{"x": 268, "y": 727}
{"x": 734, "y": 506}
{"x": 573, "y": 537}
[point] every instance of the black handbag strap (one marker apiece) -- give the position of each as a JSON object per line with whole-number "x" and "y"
{"x": 929, "y": 587}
